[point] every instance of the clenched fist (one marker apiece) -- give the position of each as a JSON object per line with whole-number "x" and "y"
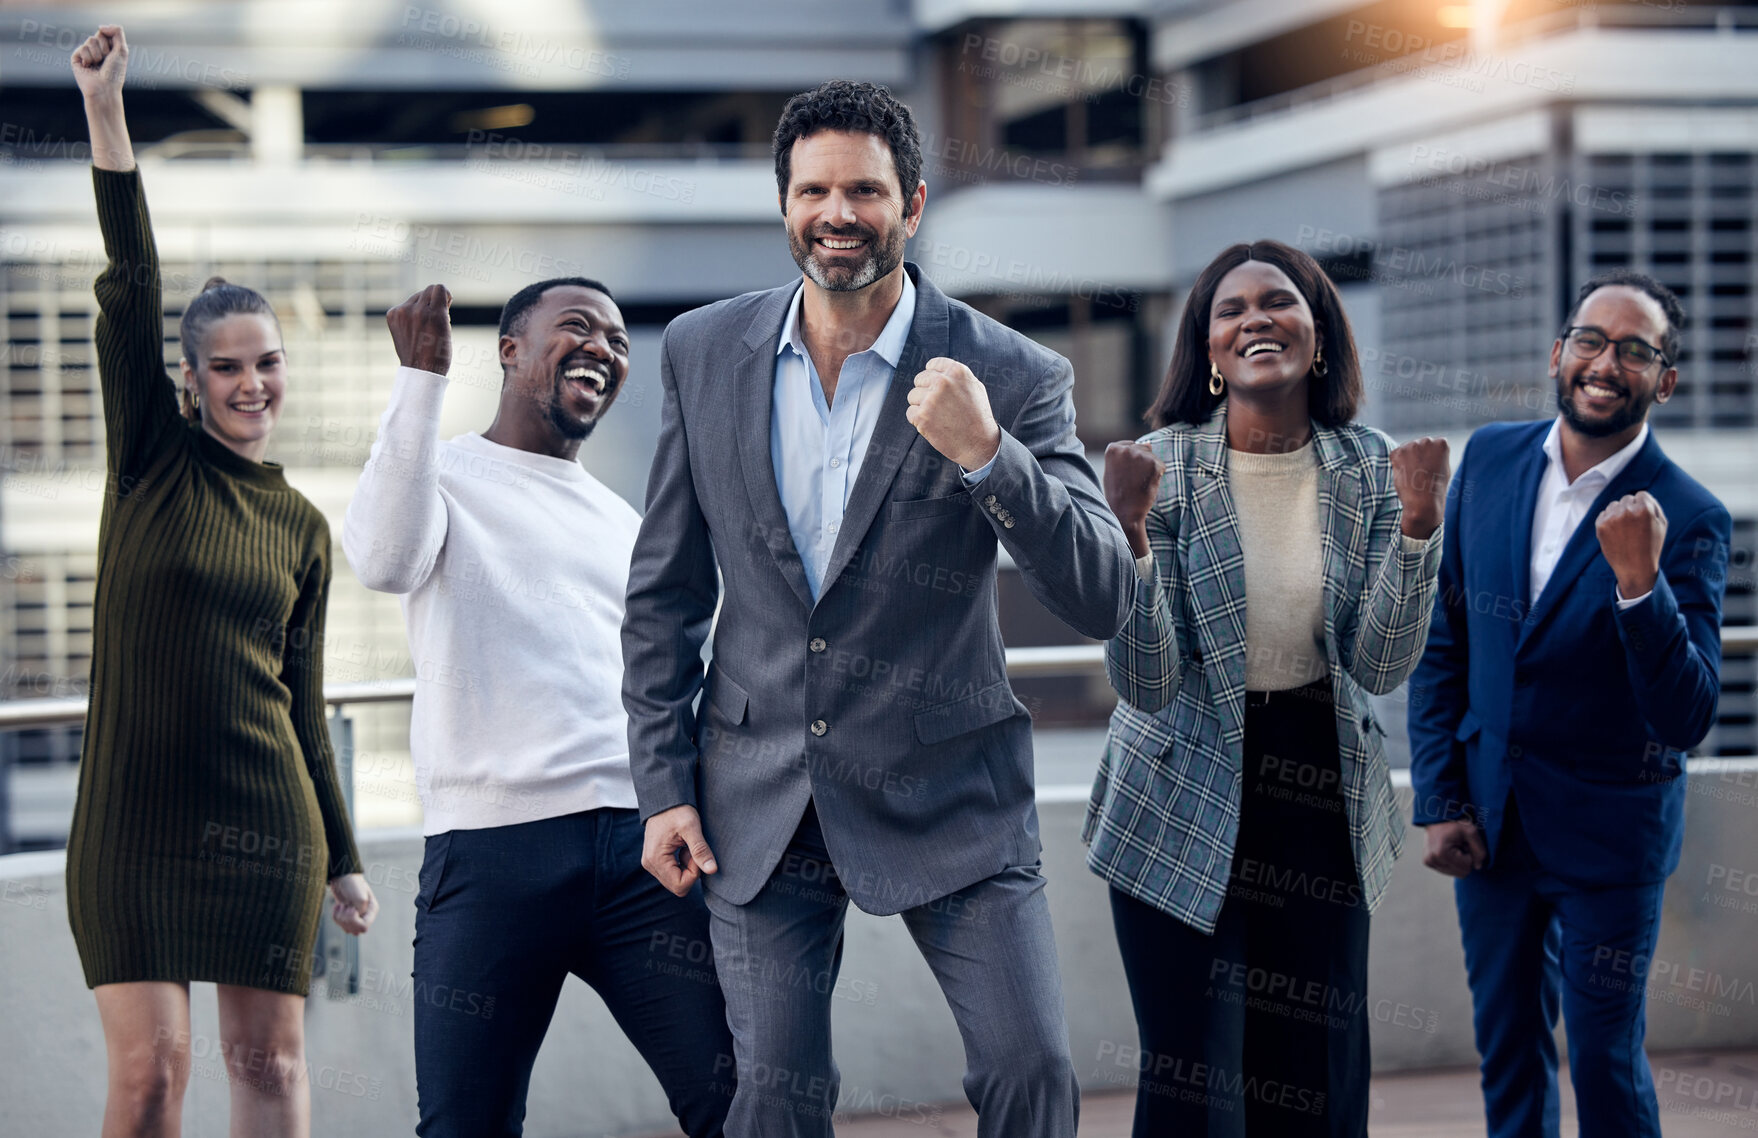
{"x": 1132, "y": 482}
{"x": 421, "y": 328}
{"x": 1455, "y": 848}
{"x": 1631, "y": 531}
{"x": 101, "y": 63}
{"x": 950, "y": 407}
{"x": 1420, "y": 471}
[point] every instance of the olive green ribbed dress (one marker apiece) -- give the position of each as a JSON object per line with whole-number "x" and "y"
{"x": 209, "y": 818}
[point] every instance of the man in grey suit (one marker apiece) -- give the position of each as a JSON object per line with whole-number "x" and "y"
{"x": 850, "y": 450}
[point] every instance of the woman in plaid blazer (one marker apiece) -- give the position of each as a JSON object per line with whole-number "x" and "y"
{"x": 1243, "y": 811}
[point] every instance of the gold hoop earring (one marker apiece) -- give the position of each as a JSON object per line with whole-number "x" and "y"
{"x": 1319, "y": 367}
{"x": 1217, "y": 382}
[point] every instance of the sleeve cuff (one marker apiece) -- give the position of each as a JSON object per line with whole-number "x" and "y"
{"x": 973, "y": 477}
{"x": 1144, "y": 566}
{"x": 1408, "y": 544}
{"x": 1632, "y": 602}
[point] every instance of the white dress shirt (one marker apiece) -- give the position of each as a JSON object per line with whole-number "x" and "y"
{"x": 1562, "y": 505}
{"x": 817, "y": 446}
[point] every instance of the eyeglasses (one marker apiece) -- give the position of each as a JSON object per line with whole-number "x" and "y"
{"x": 1633, "y": 354}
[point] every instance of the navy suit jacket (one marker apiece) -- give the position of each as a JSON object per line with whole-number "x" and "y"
{"x": 1577, "y": 711}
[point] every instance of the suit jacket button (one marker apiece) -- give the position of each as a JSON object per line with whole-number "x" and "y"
{"x": 819, "y": 727}
{"x": 817, "y": 644}
{"x": 989, "y": 501}
{"x": 1008, "y": 524}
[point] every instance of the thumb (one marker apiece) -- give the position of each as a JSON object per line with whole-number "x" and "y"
{"x": 699, "y": 851}
{"x": 1479, "y": 848}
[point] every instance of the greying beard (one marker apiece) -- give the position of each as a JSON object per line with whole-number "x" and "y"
{"x": 884, "y": 256}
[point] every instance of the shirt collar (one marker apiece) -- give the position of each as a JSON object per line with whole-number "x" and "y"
{"x": 891, "y": 339}
{"x": 1602, "y": 473}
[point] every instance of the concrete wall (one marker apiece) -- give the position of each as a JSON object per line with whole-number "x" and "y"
{"x": 896, "y": 1041}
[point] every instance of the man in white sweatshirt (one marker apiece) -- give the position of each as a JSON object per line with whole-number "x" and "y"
{"x": 512, "y": 565}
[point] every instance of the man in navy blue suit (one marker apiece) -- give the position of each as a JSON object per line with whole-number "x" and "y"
{"x": 1573, "y": 657}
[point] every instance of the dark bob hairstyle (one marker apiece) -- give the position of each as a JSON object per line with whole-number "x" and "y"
{"x": 1333, "y": 397}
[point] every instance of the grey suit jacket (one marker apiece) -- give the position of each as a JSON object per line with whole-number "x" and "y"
{"x": 886, "y": 702}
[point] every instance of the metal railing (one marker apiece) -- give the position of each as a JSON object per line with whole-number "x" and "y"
{"x": 1022, "y": 663}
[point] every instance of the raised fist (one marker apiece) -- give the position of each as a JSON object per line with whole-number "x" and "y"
{"x": 1132, "y": 482}
{"x": 1631, "y": 531}
{"x": 421, "y": 328}
{"x": 950, "y": 407}
{"x": 101, "y": 62}
{"x": 1420, "y": 471}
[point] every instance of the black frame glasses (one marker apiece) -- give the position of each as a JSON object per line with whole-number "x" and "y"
{"x": 1623, "y": 348}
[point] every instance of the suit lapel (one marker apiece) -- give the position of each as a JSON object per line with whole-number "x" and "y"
{"x": 1216, "y": 568}
{"x": 893, "y": 437}
{"x": 753, "y": 395}
{"x": 1583, "y": 545}
{"x": 1528, "y": 473}
{"x": 1341, "y": 524}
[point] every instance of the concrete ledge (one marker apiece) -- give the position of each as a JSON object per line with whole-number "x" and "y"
{"x": 896, "y": 1042}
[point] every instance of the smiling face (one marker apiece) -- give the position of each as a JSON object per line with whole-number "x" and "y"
{"x": 570, "y": 357}
{"x": 1599, "y": 397}
{"x": 845, "y": 210}
{"x": 1261, "y": 331}
{"x": 240, "y": 378}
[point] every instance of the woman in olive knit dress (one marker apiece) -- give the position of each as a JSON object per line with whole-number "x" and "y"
{"x": 209, "y": 818}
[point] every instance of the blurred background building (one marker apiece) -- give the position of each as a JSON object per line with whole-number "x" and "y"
{"x": 1459, "y": 168}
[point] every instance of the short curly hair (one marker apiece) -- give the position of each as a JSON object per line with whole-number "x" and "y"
{"x": 517, "y": 311}
{"x": 1641, "y": 282}
{"x": 865, "y": 108}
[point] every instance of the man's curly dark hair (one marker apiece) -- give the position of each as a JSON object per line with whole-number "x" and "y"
{"x": 1641, "y": 282}
{"x": 865, "y": 108}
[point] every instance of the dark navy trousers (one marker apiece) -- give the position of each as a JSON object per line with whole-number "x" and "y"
{"x": 503, "y": 916}
{"x": 1534, "y": 944}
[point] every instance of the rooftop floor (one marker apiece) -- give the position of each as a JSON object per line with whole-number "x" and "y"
{"x": 1703, "y": 1094}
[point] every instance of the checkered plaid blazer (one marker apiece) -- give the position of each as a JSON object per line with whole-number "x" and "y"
{"x": 1164, "y": 812}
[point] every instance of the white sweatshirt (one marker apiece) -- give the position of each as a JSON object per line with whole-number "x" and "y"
{"x": 512, "y": 568}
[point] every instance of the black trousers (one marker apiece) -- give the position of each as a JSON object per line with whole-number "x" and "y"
{"x": 503, "y": 916}
{"x": 1262, "y": 1028}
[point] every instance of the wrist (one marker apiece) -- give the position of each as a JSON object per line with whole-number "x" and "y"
{"x": 1138, "y": 539}
{"x": 983, "y": 454}
{"x": 1419, "y": 527}
{"x": 431, "y": 366}
{"x": 1635, "y": 585}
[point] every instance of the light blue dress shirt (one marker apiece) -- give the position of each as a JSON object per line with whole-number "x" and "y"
{"x": 817, "y": 447}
